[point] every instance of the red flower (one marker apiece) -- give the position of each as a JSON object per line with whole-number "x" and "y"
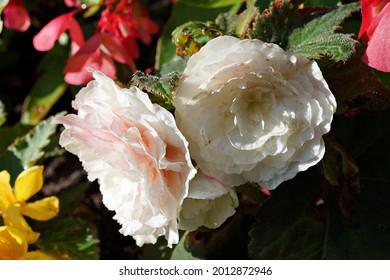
{"x": 375, "y": 31}
{"x": 16, "y": 16}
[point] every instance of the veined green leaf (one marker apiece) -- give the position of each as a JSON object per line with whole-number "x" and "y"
{"x": 160, "y": 87}
{"x": 318, "y": 38}
{"x": 29, "y": 148}
{"x": 73, "y": 237}
{"x": 49, "y": 87}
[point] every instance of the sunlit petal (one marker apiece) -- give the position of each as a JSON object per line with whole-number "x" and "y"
{"x": 42, "y": 210}
{"x": 28, "y": 183}
{"x": 13, "y": 243}
{"x": 6, "y": 196}
{"x": 15, "y": 219}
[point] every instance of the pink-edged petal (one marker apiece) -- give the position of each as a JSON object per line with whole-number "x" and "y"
{"x": 16, "y": 16}
{"x": 377, "y": 53}
{"x": 49, "y": 34}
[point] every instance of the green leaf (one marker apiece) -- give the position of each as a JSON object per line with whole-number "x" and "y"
{"x": 158, "y": 251}
{"x": 188, "y": 248}
{"x": 305, "y": 217}
{"x": 29, "y": 148}
{"x": 246, "y": 18}
{"x": 70, "y": 236}
{"x": 321, "y": 3}
{"x": 3, "y": 114}
{"x": 166, "y": 58}
{"x": 342, "y": 173}
{"x": 209, "y": 3}
{"x": 8, "y": 160}
{"x": 160, "y": 87}
{"x": 94, "y": 7}
{"x": 275, "y": 24}
{"x": 229, "y": 241}
{"x": 48, "y": 88}
{"x": 290, "y": 225}
{"x": 71, "y": 198}
{"x": 9, "y": 134}
{"x": 318, "y": 40}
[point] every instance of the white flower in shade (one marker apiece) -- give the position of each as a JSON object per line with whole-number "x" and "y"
{"x": 253, "y": 112}
{"x": 136, "y": 152}
{"x": 209, "y": 203}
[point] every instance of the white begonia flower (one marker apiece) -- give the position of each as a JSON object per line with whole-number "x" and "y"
{"x": 253, "y": 112}
{"x": 209, "y": 203}
{"x": 136, "y": 152}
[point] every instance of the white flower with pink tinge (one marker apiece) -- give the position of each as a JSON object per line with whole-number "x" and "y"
{"x": 136, "y": 152}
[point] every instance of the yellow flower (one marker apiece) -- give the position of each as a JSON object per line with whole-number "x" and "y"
{"x": 13, "y": 204}
{"x": 13, "y": 246}
{"x": 13, "y": 243}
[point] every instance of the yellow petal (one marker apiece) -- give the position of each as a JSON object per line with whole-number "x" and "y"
{"x": 15, "y": 219}
{"x": 42, "y": 210}
{"x": 39, "y": 255}
{"x": 6, "y": 195}
{"x": 28, "y": 183}
{"x": 13, "y": 244}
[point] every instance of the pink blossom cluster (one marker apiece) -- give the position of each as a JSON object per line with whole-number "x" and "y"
{"x": 121, "y": 24}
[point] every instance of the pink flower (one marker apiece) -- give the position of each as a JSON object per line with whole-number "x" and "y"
{"x": 136, "y": 152}
{"x": 375, "y": 30}
{"x": 49, "y": 34}
{"x": 16, "y": 16}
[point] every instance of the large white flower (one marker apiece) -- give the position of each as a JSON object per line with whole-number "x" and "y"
{"x": 209, "y": 203}
{"x": 253, "y": 112}
{"x": 136, "y": 152}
